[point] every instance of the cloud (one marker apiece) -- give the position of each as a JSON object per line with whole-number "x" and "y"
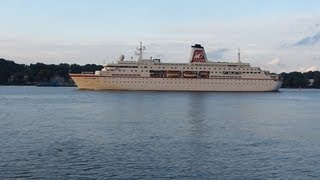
{"x": 307, "y": 69}
{"x": 312, "y": 68}
{"x": 64, "y": 44}
{"x": 309, "y": 40}
{"x": 172, "y": 44}
{"x": 275, "y": 61}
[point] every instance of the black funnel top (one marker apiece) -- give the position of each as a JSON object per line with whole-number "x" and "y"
{"x": 197, "y": 46}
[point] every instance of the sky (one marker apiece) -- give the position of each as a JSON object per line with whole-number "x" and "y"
{"x": 280, "y": 36}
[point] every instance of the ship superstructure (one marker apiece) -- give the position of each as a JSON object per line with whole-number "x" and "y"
{"x": 198, "y": 74}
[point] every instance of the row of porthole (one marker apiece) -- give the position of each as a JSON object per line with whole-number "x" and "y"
{"x": 199, "y": 79}
{"x": 185, "y": 83}
{"x": 216, "y": 72}
{"x": 183, "y": 64}
{"x": 199, "y": 68}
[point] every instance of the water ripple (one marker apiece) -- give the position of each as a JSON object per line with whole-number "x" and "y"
{"x": 63, "y": 133}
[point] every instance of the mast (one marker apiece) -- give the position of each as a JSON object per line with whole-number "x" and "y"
{"x": 140, "y": 51}
{"x": 239, "y": 59}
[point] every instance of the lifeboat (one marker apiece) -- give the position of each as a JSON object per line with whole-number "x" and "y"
{"x": 190, "y": 74}
{"x": 173, "y": 74}
{"x": 204, "y": 74}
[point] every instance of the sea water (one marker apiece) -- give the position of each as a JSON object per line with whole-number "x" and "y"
{"x": 65, "y": 133}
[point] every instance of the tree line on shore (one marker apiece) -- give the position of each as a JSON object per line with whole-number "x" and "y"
{"x": 21, "y": 74}
{"x": 295, "y": 79}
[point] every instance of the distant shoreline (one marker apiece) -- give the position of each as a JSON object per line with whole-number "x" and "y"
{"x": 30, "y": 85}
{"x": 38, "y": 85}
{"x": 54, "y": 75}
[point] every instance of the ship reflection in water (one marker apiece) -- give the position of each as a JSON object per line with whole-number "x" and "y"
{"x": 63, "y": 133}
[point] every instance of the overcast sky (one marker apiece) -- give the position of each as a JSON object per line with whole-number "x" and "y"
{"x": 272, "y": 34}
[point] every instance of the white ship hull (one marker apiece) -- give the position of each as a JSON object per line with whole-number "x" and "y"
{"x": 93, "y": 82}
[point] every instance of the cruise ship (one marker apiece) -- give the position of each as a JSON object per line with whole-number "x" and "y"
{"x": 198, "y": 74}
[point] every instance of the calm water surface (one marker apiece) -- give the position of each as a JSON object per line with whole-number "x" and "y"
{"x": 64, "y": 133}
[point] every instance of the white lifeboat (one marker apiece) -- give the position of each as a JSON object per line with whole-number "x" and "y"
{"x": 190, "y": 74}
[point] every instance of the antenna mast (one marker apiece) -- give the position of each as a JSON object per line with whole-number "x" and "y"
{"x": 140, "y": 49}
{"x": 239, "y": 59}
